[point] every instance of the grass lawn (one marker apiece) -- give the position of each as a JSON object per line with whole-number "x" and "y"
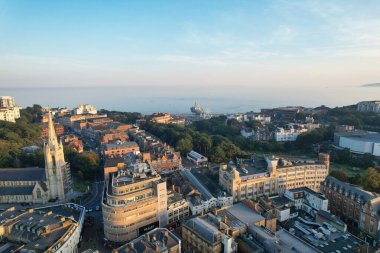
{"x": 81, "y": 186}
{"x": 349, "y": 170}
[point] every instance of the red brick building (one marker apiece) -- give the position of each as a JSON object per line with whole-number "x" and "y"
{"x": 59, "y": 130}
{"x": 353, "y": 204}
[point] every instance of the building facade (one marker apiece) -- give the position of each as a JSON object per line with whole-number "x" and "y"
{"x": 158, "y": 154}
{"x": 369, "y": 106}
{"x": 353, "y": 204}
{"x": 85, "y": 109}
{"x": 307, "y": 200}
{"x": 273, "y": 178}
{"x": 7, "y": 101}
{"x": 178, "y": 208}
{"x": 38, "y": 185}
{"x": 121, "y": 148}
{"x": 134, "y": 202}
{"x": 360, "y": 142}
{"x": 8, "y": 110}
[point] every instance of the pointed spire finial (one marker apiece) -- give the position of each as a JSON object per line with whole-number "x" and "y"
{"x": 52, "y": 136}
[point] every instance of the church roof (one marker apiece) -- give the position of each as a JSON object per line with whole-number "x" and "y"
{"x": 16, "y": 190}
{"x": 23, "y": 174}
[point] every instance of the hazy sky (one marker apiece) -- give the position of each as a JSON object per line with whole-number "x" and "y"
{"x": 247, "y": 43}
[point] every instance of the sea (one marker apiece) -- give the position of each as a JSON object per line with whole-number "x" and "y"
{"x": 178, "y": 100}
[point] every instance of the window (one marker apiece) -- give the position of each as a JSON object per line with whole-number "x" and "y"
{"x": 39, "y": 194}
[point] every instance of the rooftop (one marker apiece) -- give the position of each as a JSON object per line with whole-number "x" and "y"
{"x": 37, "y": 230}
{"x": 326, "y": 239}
{"x": 206, "y": 226}
{"x": 23, "y": 174}
{"x": 113, "y": 161}
{"x": 157, "y": 240}
{"x": 174, "y": 197}
{"x": 360, "y": 135}
{"x": 308, "y": 190}
{"x": 280, "y": 241}
{"x": 330, "y": 217}
{"x": 138, "y": 171}
{"x": 208, "y": 182}
{"x": 351, "y": 189}
{"x": 280, "y": 202}
{"x": 245, "y": 214}
{"x": 118, "y": 145}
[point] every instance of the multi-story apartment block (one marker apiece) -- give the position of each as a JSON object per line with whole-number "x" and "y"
{"x": 121, "y": 148}
{"x": 290, "y": 133}
{"x": 158, "y": 154}
{"x": 166, "y": 118}
{"x": 134, "y": 202}
{"x": 178, "y": 208}
{"x": 354, "y": 204}
{"x": 369, "y": 106}
{"x": 85, "y": 109}
{"x": 68, "y": 120}
{"x": 7, "y": 101}
{"x": 8, "y": 111}
{"x": 264, "y": 119}
{"x": 271, "y": 176}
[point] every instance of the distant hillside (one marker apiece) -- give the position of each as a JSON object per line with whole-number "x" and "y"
{"x": 25, "y": 132}
{"x": 371, "y": 85}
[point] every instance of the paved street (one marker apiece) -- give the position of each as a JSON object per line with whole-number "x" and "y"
{"x": 96, "y": 195}
{"x": 93, "y": 235}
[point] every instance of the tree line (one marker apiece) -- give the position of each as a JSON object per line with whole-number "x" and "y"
{"x": 184, "y": 139}
{"x": 13, "y": 136}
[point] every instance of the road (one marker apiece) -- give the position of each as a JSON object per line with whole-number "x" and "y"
{"x": 96, "y": 198}
{"x": 93, "y": 236}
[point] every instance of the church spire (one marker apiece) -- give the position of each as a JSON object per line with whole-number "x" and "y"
{"x": 52, "y": 141}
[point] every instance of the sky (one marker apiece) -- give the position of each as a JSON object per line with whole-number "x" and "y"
{"x": 201, "y": 43}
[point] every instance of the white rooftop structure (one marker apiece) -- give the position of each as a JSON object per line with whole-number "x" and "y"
{"x": 196, "y": 158}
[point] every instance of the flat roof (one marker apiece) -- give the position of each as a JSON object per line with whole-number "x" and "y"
{"x": 113, "y": 161}
{"x": 360, "y": 135}
{"x": 335, "y": 242}
{"x": 205, "y": 227}
{"x": 245, "y": 214}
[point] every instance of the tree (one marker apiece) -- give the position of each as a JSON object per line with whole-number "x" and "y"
{"x": 184, "y": 145}
{"x": 371, "y": 180}
{"x": 340, "y": 175}
{"x": 217, "y": 155}
{"x": 255, "y": 124}
{"x": 86, "y": 165}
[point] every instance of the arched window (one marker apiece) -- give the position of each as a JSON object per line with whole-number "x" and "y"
{"x": 39, "y": 194}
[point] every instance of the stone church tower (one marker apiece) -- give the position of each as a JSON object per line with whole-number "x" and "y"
{"x": 58, "y": 176}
